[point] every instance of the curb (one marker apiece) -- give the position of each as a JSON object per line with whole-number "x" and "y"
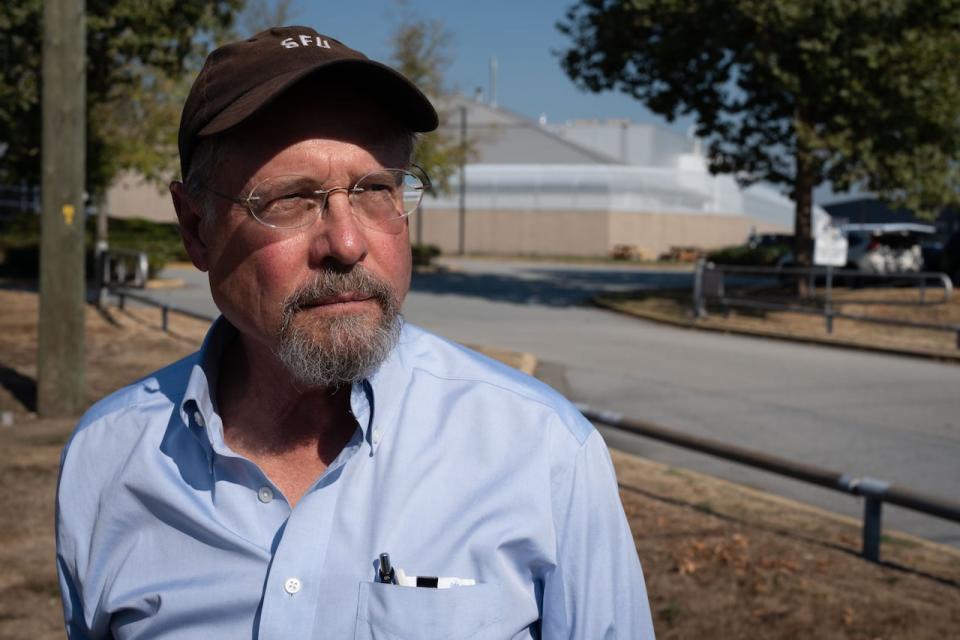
{"x": 522, "y": 360}
{"x": 164, "y": 283}
{"x": 853, "y": 346}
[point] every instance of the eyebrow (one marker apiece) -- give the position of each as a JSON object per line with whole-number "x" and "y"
{"x": 295, "y": 182}
{"x": 298, "y": 182}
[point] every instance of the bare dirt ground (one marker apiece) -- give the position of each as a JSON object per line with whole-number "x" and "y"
{"x": 675, "y": 307}
{"x": 721, "y": 560}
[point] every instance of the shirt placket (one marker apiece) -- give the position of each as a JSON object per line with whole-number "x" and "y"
{"x": 292, "y": 590}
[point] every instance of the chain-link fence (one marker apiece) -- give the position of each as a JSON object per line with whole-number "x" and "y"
{"x": 18, "y": 199}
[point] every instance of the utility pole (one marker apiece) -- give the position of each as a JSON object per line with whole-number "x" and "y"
{"x": 463, "y": 181}
{"x": 60, "y": 379}
{"x": 493, "y": 81}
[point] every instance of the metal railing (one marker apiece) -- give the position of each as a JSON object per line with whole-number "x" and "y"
{"x": 710, "y": 283}
{"x": 874, "y": 491}
{"x": 119, "y": 270}
{"x": 165, "y": 308}
{"x": 123, "y": 268}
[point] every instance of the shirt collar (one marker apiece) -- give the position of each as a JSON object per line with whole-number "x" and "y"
{"x": 198, "y": 408}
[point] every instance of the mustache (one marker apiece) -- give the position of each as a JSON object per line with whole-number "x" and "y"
{"x": 330, "y": 283}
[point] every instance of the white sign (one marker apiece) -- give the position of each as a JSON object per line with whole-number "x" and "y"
{"x": 829, "y": 246}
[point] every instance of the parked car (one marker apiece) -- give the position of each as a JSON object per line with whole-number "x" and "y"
{"x": 769, "y": 240}
{"x": 885, "y": 250}
{"x": 950, "y": 258}
{"x": 931, "y": 250}
{"x": 890, "y": 247}
{"x": 886, "y": 247}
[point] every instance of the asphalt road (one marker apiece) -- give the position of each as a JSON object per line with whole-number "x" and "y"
{"x": 889, "y": 417}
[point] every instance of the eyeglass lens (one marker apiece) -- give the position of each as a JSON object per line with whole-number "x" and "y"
{"x": 379, "y": 200}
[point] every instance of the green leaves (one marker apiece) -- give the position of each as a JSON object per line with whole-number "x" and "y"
{"x": 868, "y": 92}
{"x": 141, "y": 57}
{"x": 421, "y": 52}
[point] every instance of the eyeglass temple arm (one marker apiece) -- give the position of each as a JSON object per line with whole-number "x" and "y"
{"x": 427, "y": 183}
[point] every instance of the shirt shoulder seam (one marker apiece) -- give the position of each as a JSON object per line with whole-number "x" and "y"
{"x": 555, "y": 411}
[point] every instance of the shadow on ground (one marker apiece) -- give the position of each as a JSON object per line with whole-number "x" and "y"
{"x": 22, "y": 388}
{"x": 546, "y": 287}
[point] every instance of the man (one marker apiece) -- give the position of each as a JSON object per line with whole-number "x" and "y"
{"x": 320, "y": 469}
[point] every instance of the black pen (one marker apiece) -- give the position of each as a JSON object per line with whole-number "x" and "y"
{"x": 387, "y": 574}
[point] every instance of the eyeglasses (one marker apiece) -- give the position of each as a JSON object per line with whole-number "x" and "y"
{"x": 380, "y": 200}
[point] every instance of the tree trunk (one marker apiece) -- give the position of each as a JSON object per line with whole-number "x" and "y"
{"x": 802, "y": 225}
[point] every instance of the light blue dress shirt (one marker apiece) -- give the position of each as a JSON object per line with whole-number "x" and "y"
{"x": 459, "y": 467}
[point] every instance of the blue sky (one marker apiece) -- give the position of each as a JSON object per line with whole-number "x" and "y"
{"x": 521, "y": 34}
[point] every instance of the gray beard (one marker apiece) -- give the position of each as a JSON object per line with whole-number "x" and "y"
{"x": 338, "y": 351}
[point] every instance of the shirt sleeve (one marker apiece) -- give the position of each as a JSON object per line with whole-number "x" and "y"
{"x": 77, "y": 508}
{"x": 72, "y": 607}
{"x": 66, "y": 566}
{"x": 596, "y": 589}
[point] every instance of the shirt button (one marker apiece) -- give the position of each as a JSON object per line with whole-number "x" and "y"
{"x": 198, "y": 417}
{"x": 376, "y": 436}
{"x": 265, "y": 494}
{"x": 292, "y": 585}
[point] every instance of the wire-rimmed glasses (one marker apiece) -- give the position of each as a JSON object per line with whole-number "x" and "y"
{"x": 380, "y": 200}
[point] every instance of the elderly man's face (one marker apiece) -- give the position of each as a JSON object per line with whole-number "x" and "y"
{"x": 331, "y": 284}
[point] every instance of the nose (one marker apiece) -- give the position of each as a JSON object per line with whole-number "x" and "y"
{"x": 340, "y": 236}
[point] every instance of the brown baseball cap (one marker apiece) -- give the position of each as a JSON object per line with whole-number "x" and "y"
{"x": 240, "y": 78}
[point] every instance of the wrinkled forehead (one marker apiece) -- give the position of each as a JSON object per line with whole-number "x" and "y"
{"x": 314, "y": 114}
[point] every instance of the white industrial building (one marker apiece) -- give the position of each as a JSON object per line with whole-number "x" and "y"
{"x": 584, "y": 187}
{"x": 579, "y": 188}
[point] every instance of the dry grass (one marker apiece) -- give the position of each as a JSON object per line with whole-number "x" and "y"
{"x": 721, "y": 560}
{"x": 725, "y": 561}
{"x": 675, "y": 307}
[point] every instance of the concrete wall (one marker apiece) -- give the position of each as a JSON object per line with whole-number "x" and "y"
{"x": 654, "y": 233}
{"x": 131, "y": 197}
{"x": 570, "y": 233}
{"x": 576, "y": 233}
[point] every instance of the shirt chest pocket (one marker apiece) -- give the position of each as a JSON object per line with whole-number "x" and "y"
{"x": 391, "y": 612}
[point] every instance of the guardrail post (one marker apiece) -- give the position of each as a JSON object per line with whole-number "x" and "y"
{"x": 873, "y": 490}
{"x": 828, "y": 300}
{"x": 103, "y": 276}
{"x": 165, "y": 313}
{"x": 121, "y": 299}
{"x": 698, "y": 306}
{"x": 872, "y": 511}
{"x": 142, "y": 270}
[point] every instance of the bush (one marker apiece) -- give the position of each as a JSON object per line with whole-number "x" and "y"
{"x": 745, "y": 255}
{"x": 160, "y": 240}
{"x": 20, "y": 246}
{"x": 423, "y": 254}
{"x": 20, "y": 243}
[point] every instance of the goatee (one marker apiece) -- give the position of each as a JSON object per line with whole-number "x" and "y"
{"x": 343, "y": 349}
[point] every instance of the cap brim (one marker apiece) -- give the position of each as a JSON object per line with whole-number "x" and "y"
{"x": 383, "y": 84}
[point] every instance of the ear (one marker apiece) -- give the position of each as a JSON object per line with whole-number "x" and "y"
{"x": 190, "y": 216}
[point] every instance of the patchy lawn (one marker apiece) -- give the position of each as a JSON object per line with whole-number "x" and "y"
{"x": 675, "y": 307}
{"x": 721, "y": 560}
